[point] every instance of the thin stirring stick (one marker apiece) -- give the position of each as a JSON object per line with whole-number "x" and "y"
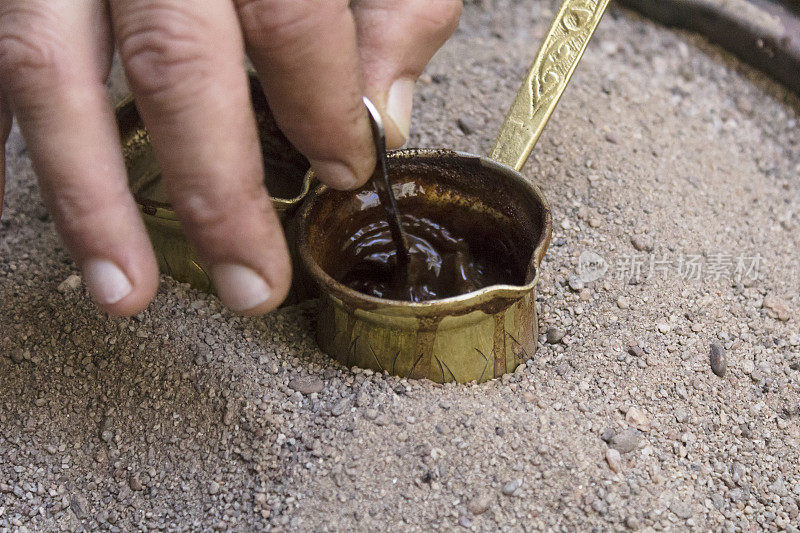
{"x": 380, "y": 179}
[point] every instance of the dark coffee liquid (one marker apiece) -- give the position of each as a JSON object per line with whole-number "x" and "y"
{"x": 442, "y": 264}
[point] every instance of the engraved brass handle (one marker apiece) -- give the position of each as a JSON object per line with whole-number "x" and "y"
{"x": 549, "y": 74}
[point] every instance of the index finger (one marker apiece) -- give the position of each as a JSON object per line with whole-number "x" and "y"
{"x": 306, "y": 56}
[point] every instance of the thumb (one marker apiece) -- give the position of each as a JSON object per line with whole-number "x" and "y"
{"x": 396, "y": 40}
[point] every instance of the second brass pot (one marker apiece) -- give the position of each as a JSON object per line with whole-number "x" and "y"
{"x": 286, "y": 178}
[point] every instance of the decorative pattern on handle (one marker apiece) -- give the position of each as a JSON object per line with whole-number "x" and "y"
{"x": 549, "y": 74}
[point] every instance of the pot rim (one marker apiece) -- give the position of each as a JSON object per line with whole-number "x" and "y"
{"x": 164, "y": 210}
{"x": 502, "y": 291}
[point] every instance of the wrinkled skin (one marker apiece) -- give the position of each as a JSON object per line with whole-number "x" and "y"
{"x": 184, "y": 62}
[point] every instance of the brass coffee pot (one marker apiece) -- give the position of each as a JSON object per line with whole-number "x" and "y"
{"x": 482, "y": 334}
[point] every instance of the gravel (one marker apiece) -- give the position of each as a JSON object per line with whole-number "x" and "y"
{"x": 185, "y": 396}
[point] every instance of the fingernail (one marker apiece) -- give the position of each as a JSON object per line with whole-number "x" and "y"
{"x": 398, "y": 104}
{"x": 106, "y": 281}
{"x": 240, "y": 288}
{"x": 336, "y": 174}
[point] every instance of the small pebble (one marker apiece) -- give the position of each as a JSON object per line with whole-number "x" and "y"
{"x": 134, "y": 483}
{"x": 307, "y": 385}
{"x": 575, "y": 283}
{"x": 480, "y": 503}
{"x": 600, "y": 506}
{"x": 512, "y": 487}
{"x": 468, "y": 125}
{"x": 341, "y": 407}
{"x": 636, "y": 350}
{"x": 554, "y": 335}
{"x": 777, "y": 308}
{"x": 72, "y": 283}
{"x": 614, "y": 460}
{"x": 681, "y": 509}
{"x": 382, "y": 420}
{"x": 744, "y": 105}
{"x": 643, "y": 243}
{"x": 623, "y": 302}
{"x": 626, "y": 441}
{"x": 638, "y": 418}
{"x": 718, "y": 360}
{"x": 632, "y": 523}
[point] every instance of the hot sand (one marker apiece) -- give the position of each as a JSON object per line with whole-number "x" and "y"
{"x": 665, "y": 154}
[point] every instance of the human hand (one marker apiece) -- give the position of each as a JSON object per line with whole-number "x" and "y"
{"x": 184, "y": 60}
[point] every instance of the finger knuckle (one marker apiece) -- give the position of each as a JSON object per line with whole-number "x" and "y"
{"x": 164, "y": 53}
{"x": 31, "y": 56}
{"x": 213, "y": 212}
{"x": 440, "y": 17}
{"x": 79, "y": 211}
{"x": 200, "y": 212}
{"x": 274, "y": 25}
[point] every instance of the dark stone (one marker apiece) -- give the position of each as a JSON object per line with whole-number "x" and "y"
{"x": 718, "y": 360}
{"x": 554, "y": 335}
{"x": 636, "y": 350}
